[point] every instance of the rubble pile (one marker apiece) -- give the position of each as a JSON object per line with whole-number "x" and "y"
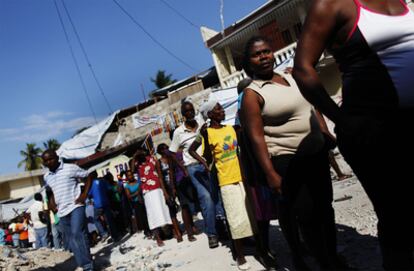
{"x": 357, "y": 242}
{"x": 127, "y": 257}
{"x": 13, "y": 259}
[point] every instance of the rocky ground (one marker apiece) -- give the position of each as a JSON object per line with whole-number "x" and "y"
{"x": 356, "y": 224}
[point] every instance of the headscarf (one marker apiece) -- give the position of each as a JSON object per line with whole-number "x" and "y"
{"x": 208, "y": 105}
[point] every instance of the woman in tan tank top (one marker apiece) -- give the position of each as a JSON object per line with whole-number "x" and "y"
{"x": 287, "y": 142}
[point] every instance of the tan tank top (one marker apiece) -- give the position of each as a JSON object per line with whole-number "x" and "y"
{"x": 290, "y": 124}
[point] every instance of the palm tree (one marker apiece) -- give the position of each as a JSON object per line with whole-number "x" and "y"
{"x": 51, "y": 144}
{"x": 31, "y": 156}
{"x": 162, "y": 80}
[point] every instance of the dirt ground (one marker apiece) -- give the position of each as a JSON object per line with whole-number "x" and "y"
{"x": 356, "y": 225}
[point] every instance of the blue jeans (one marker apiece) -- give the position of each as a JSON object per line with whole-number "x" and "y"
{"x": 107, "y": 214}
{"x": 16, "y": 238}
{"x": 216, "y": 195}
{"x": 41, "y": 237}
{"x": 201, "y": 181}
{"x": 98, "y": 223}
{"x": 57, "y": 237}
{"x": 74, "y": 226}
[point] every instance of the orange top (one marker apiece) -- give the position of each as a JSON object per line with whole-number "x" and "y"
{"x": 24, "y": 233}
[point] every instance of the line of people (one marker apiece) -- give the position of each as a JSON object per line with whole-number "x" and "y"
{"x": 275, "y": 164}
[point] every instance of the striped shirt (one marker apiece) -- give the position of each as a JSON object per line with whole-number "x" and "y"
{"x": 65, "y": 185}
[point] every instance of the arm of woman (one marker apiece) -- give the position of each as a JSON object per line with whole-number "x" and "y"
{"x": 193, "y": 151}
{"x": 172, "y": 156}
{"x": 320, "y": 27}
{"x": 161, "y": 180}
{"x": 128, "y": 194}
{"x": 252, "y": 123}
{"x": 171, "y": 176}
{"x": 330, "y": 139}
{"x": 136, "y": 193}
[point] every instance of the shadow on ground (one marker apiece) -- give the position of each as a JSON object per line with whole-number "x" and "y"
{"x": 360, "y": 251}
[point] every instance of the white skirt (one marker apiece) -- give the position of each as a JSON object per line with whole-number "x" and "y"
{"x": 157, "y": 210}
{"x": 234, "y": 202}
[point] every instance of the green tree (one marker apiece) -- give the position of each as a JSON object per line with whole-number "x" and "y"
{"x": 32, "y": 159}
{"x": 52, "y": 144}
{"x": 162, "y": 80}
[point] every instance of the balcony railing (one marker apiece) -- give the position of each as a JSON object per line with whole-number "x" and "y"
{"x": 285, "y": 53}
{"x": 233, "y": 79}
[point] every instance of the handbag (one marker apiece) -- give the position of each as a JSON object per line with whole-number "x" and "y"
{"x": 43, "y": 217}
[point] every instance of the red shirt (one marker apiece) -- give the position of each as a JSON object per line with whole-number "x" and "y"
{"x": 9, "y": 237}
{"x": 148, "y": 174}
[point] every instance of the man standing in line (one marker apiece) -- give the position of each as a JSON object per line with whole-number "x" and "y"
{"x": 69, "y": 201}
{"x": 37, "y": 214}
{"x": 183, "y": 137}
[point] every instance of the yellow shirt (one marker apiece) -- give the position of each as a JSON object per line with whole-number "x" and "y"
{"x": 223, "y": 146}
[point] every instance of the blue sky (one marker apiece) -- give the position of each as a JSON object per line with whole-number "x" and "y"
{"x": 41, "y": 94}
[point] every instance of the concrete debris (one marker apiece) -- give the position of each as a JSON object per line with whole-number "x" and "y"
{"x": 356, "y": 232}
{"x": 343, "y": 198}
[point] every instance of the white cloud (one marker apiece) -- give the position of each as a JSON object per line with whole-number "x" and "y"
{"x": 55, "y": 114}
{"x": 8, "y": 131}
{"x": 40, "y": 127}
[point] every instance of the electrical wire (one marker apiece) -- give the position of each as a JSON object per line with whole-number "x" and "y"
{"x": 180, "y": 14}
{"x": 75, "y": 62}
{"x": 222, "y": 15}
{"x": 153, "y": 38}
{"x": 87, "y": 58}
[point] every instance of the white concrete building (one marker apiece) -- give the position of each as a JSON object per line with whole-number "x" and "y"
{"x": 19, "y": 185}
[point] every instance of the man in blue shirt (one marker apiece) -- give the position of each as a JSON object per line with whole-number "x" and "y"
{"x": 99, "y": 192}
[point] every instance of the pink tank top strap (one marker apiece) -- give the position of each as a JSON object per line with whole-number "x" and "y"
{"x": 358, "y": 5}
{"x": 403, "y": 3}
{"x": 407, "y": 9}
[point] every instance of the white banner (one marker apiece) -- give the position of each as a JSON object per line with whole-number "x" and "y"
{"x": 140, "y": 121}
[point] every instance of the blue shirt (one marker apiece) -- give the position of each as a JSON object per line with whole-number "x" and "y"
{"x": 2, "y": 237}
{"x": 99, "y": 192}
{"x": 132, "y": 188}
{"x": 239, "y": 101}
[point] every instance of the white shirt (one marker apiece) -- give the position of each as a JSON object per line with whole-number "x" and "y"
{"x": 89, "y": 212}
{"x": 34, "y": 210}
{"x": 65, "y": 185}
{"x": 184, "y": 137}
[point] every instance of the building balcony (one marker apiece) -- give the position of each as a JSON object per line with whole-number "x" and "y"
{"x": 285, "y": 53}
{"x": 233, "y": 79}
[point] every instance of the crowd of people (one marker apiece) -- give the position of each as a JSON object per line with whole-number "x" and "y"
{"x": 273, "y": 164}
{"x": 35, "y": 228}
